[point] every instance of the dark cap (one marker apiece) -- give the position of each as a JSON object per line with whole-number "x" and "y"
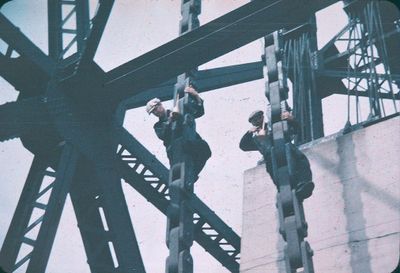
{"x": 255, "y": 114}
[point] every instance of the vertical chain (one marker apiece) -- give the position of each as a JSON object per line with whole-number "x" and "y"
{"x": 293, "y": 226}
{"x": 180, "y": 225}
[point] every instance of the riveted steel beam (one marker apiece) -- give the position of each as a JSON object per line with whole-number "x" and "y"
{"x": 220, "y": 36}
{"x": 21, "y": 44}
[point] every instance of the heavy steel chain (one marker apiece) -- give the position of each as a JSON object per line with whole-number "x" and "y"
{"x": 293, "y": 226}
{"x": 180, "y": 225}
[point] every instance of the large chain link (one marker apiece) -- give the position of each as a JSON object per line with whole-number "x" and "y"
{"x": 293, "y": 226}
{"x": 180, "y": 226}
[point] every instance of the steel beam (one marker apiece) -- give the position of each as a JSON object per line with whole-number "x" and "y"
{"x": 206, "y": 80}
{"x": 11, "y": 245}
{"x": 17, "y": 118}
{"x": 102, "y": 229}
{"x": 54, "y": 207}
{"x": 82, "y": 23}
{"x": 148, "y": 176}
{"x": 32, "y": 63}
{"x": 21, "y": 44}
{"x": 55, "y": 36}
{"x": 342, "y": 74}
{"x": 365, "y": 94}
{"x": 23, "y": 222}
{"x": 34, "y": 80}
{"x": 57, "y": 22}
{"x": 99, "y": 23}
{"x": 229, "y": 32}
{"x": 94, "y": 137}
{"x": 220, "y": 77}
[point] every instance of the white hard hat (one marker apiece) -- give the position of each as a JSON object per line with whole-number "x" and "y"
{"x": 151, "y": 105}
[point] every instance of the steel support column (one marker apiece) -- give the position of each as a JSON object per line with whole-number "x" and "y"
{"x": 368, "y": 37}
{"x": 94, "y": 136}
{"x": 300, "y": 47}
{"x": 103, "y": 221}
{"x": 68, "y": 25}
{"x": 38, "y": 196}
{"x": 99, "y": 21}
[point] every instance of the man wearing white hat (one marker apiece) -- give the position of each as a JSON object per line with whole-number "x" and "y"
{"x": 259, "y": 139}
{"x": 198, "y": 148}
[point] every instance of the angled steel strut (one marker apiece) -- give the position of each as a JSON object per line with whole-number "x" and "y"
{"x": 39, "y": 208}
{"x": 140, "y": 169}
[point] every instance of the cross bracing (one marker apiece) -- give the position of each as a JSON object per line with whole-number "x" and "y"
{"x": 51, "y": 99}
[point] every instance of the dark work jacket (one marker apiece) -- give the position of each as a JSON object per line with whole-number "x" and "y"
{"x": 163, "y": 126}
{"x": 250, "y": 142}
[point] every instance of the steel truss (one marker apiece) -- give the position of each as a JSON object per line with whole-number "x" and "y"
{"x": 369, "y": 63}
{"x": 56, "y": 91}
{"x": 300, "y": 45}
{"x": 34, "y": 225}
{"x": 68, "y": 26}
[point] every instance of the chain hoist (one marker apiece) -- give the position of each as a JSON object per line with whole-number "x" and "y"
{"x": 293, "y": 226}
{"x": 180, "y": 225}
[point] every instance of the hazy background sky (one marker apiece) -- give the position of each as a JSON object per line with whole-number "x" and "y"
{"x": 134, "y": 28}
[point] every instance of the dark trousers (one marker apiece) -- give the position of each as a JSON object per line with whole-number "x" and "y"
{"x": 302, "y": 169}
{"x": 200, "y": 152}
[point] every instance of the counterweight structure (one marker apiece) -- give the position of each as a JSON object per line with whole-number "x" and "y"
{"x": 69, "y": 114}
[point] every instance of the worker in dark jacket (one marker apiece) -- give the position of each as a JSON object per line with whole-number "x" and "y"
{"x": 197, "y": 148}
{"x": 259, "y": 139}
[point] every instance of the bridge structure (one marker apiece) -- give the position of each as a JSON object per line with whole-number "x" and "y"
{"x": 69, "y": 113}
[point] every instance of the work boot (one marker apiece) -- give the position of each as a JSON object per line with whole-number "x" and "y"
{"x": 304, "y": 189}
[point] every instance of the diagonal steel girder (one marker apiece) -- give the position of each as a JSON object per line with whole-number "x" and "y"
{"x": 206, "y": 80}
{"x": 96, "y": 32}
{"x": 78, "y": 135}
{"x": 21, "y": 44}
{"x": 220, "y": 36}
{"x": 95, "y": 140}
{"x": 21, "y": 116}
{"x": 140, "y": 169}
{"x": 19, "y": 233}
{"x": 17, "y": 118}
{"x": 32, "y": 69}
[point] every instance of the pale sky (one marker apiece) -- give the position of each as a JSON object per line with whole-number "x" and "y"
{"x": 134, "y": 28}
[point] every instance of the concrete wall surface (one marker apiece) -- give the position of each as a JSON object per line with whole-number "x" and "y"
{"x": 353, "y": 215}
